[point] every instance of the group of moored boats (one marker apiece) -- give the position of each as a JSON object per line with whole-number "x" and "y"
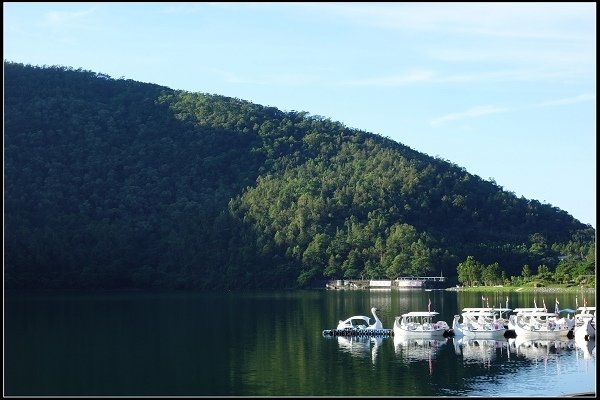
{"x": 478, "y": 323}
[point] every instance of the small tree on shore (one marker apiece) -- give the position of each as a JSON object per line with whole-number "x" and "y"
{"x": 469, "y": 271}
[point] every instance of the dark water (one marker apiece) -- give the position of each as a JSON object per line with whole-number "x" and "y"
{"x": 271, "y": 344}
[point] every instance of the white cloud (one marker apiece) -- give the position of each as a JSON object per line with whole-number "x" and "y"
{"x": 537, "y": 40}
{"x": 417, "y": 76}
{"x": 431, "y": 77}
{"x": 566, "y": 57}
{"x": 60, "y": 19}
{"x": 512, "y": 20}
{"x": 569, "y": 100}
{"x": 470, "y": 113}
{"x": 510, "y": 75}
{"x": 273, "y": 79}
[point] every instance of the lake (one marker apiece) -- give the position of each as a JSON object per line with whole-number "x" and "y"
{"x": 270, "y": 343}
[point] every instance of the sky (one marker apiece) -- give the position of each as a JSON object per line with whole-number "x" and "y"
{"x": 505, "y": 90}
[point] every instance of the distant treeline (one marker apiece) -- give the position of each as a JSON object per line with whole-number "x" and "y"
{"x": 113, "y": 183}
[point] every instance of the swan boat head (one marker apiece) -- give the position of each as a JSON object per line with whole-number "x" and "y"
{"x": 377, "y": 324}
{"x": 361, "y": 322}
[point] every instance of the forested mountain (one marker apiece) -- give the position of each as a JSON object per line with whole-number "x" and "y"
{"x": 112, "y": 183}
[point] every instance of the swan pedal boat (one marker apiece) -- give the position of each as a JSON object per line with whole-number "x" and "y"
{"x": 359, "y": 325}
{"x": 586, "y": 330}
{"x": 499, "y": 311}
{"x": 568, "y": 321}
{"x": 538, "y": 324}
{"x": 585, "y": 322}
{"x": 479, "y": 323}
{"x": 420, "y": 324}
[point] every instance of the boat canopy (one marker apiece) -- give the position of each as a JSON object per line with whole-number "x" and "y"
{"x": 485, "y": 309}
{"x": 539, "y": 314}
{"x": 420, "y": 314}
{"x": 357, "y": 318}
{"x": 567, "y": 310}
{"x": 478, "y": 314}
{"x": 528, "y": 310}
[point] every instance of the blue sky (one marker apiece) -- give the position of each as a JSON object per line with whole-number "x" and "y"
{"x": 505, "y": 90}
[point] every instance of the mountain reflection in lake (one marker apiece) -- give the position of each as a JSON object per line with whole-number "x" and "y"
{"x": 270, "y": 344}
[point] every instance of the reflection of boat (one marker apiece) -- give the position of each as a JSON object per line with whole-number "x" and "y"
{"x": 540, "y": 348}
{"x": 478, "y": 323}
{"x": 537, "y": 324}
{"x": 361, "y": 322}
{"x": 586, "y": 346}
{"x": 360, "y": 345}
{"x": 420, "y": 324}
{"x": 414, "y": 349}
{"x": 479, "y": 349}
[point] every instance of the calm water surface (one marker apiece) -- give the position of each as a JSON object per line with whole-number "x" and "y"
{"x": 271, "y": 344}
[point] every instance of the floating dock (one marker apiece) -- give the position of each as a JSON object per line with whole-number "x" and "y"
{"x": 358, "y": 332}
{"x": 510, "y": 333}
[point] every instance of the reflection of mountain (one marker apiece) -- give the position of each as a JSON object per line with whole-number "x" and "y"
{"x": 539, "y": 349}
{"x": 414, "y": 349}
{"x": 360, "y": 346}
{"x": 483, "y": 350}
{"x": 381, "y": 300}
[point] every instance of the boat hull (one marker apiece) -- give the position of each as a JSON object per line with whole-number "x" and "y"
{"x": 418, "y": 332}
{"x": 485, "y": 330}
{"x": 540, "y": 333}
{"x": 420, "y": 324}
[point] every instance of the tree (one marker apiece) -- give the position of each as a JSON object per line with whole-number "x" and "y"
{"x": 491, "y": 274}
{"x": 469, "y": 271}
{"x": 526, "y": 273}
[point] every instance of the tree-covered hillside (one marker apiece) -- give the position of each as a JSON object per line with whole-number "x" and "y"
{"x": 112, "y": 183}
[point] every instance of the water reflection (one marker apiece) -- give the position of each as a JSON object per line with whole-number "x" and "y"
{"x": 361, "y": 346}
{"x": 481, "y": 350}
{"x": 540, "y": 349}
{"x": 586, "y": 347}
{"x": 147, "y": 344}
{"x": 416, "y": 349}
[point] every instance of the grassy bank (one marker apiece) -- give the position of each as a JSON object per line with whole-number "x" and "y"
{"x": 526, "y": 289}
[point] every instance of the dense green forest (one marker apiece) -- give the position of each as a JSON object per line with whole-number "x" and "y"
{"x": 113, "y": 183}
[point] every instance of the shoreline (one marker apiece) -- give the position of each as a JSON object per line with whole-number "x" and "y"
{"x": 522, "y": 289}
